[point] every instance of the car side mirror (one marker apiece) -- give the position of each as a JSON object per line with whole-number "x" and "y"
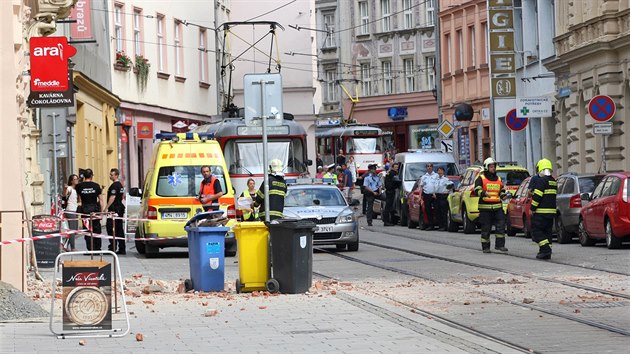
{"x": 135, "y": 192}
{"x": 585, "y": 196}
{"x": 309, "y": 162}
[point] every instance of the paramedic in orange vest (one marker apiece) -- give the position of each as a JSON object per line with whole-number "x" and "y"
{"x": 209, "y": 190}
{"x": 489, "y": 188}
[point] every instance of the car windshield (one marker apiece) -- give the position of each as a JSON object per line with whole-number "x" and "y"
{"x": 588, "y": 184}
{"x": 414, "y": 170}
{"x": 305, "y": 197}
{"x": 184, "y": 181}
{"x": 513, "y": 178}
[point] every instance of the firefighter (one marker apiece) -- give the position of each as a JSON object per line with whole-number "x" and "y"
{"x": 489, "y": 188}
{"x": 543, "y": 207}
{"x": 277, "y": 192}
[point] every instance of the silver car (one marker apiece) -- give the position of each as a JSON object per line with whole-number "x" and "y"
{"x": 326, "y": 206}
{"x": 569, "y": 204}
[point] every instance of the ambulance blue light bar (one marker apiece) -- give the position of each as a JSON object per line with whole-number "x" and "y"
{"x": 184, "y": 136}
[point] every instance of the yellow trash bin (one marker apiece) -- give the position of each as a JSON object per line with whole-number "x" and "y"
{"x": 252, "y": 239}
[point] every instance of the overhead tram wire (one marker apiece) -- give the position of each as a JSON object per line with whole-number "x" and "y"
{"x": 270, "y": 11}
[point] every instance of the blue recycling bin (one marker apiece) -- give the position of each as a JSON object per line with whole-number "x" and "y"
{"x": 206, "y": 257}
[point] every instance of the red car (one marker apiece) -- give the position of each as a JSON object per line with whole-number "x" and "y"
{"x": 518, "y": 216}
{"x": 415, "y": 205}
{"x": 607, "y": 214}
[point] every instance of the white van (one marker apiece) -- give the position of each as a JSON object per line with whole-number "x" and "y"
{"x": 412, "y": 166}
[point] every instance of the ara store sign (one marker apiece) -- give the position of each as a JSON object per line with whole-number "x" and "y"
{"x": 49, "y": 63}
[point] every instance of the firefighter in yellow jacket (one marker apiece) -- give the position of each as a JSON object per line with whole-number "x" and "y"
{"x": 489, "y": 188}
{"x": 277, "y": 192}
{"x": 543, "y": 207}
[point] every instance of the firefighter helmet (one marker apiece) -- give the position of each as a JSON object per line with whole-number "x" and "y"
{"x": 544, "y": 164}
{"x": 275, "y": 167}
{"x": 487, "y": 162}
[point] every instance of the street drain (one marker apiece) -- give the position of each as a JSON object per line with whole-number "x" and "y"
{"x": 600, "y": 304}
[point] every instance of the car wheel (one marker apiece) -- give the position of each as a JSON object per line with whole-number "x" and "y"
{"x": 563, "y": 235}
{"x": 404, "y": 217}
{"x": 611, "y": 240}
{"x": 140, "y": 245}
{"x": 508, "y": 227}
{"x": 526, "y": 229}
{"x": 469, "y": 226}
{"x": 353, "y": 246}
{"x": 451, "y": 226}
{"x": 585, "y": 240}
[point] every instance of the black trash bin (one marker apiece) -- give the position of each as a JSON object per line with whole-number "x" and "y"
{"x": 292, "y": 254}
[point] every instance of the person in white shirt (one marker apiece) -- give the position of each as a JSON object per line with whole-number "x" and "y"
{"x": 443, "y": 187}
{"x": 70, "y": 193}
{"x": 428, "y": 182}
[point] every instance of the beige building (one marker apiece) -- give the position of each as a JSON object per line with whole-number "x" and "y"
{"x": 592, "y": 58}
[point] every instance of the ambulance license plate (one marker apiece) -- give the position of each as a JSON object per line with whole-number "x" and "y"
{"x": 179, "y": 215}
{"x": 324, "y": 229}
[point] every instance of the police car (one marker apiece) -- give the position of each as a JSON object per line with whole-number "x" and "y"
{"x": 326, "y": 206}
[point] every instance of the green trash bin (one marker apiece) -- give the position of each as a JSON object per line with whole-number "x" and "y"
{"x": 292, "y": 254}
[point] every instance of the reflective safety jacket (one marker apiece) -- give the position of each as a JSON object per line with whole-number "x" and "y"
{"x": 249, "y": 215}
{"x": 277, "y": 192}
{"x": 544, "y": 190}
{"x": 489, "y": 188}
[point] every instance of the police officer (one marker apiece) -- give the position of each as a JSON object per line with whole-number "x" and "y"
{"x": 489, "y": 188}
{"x": 543, "y": 207}
{"x": 373, "y": 187}
{"x": 330, "y": 177}
{"x": 115, "y": 204}
{"x": 277, "y": 192}
{"x": 443, "y": 185}
{"x": 392, "y": 183}
{"x": 428, "y": 181}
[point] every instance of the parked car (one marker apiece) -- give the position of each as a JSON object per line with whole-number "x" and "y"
{"x": 326, "y": 206}
{"x": 416, "y": 209}
{"x": 462, "y": 203}
{"x": 518, "y": 217}
{"x": 607, "y": 214}
{"x": 569, "y": 202}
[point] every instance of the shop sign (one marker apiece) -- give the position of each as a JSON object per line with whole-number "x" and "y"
{"x": 397, "y": 113}
{"x": 81, "y": 12}
{"x": 49, "y": 99}
{"x": 527, "y": 107}
{"x": 144, "y": 130}
{"x": 87, "y": 295}
{"x": 49, "y": 63}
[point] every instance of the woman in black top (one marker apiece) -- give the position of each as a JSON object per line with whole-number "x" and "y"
{"x": 90, "y": 194}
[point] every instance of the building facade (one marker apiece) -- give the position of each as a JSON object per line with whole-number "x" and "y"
{"x": 376, "y": 64}
{"x": 164, "y": 71}
{"x": 592, "y": 58}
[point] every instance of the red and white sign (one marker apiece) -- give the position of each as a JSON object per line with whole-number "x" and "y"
{"x": 124, "y": 138}
{"x": 144, "y": 130}
{"x": 82, "y": 13}
{"x": 49, "y": 63}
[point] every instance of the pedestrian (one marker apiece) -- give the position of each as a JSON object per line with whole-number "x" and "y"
{"x": 341, "y": 158}
{"x": 543, "y": 207}
{"x": 392, "y": 183}
{"x": 116, "y": 205}
{"x": 360, "y": 180}
{"x": 89, "y": 193}
{"x": 352, "y": 166}
{"x": 373, "y": 189}
{"x": 318, "y": 161}
{"x": 489, "y": 188}
{"x": 442, "y": 188}
{"x": 72, "y": 204}
{"x": 277, "y": 192}
{"x": 209, "y": 190}
{"x": 347, "y": 182}
{"x": 320, "y": 172}
{"x": 428, "y": 182}
{"x": 250, "y": 213}
{"x": 330, "y": 177}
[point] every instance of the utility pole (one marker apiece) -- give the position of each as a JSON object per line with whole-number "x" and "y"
{"x": 54, "y": 149}
{"x": 438, "y": 61}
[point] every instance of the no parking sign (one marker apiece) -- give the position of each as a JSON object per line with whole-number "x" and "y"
{"x": 515, "y": 123}
{"x": 601, "y": 108}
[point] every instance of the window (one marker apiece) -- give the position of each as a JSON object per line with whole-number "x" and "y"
{"x": 365, "y": 17}
{"x": 366, "y": 83}
{"x": 161, "y": 44}
{"x": 448, "y": 53}
{"x": 409, "y": 78}
{"x": 460, "y": 47}
{"x": 329, "y": 26}
{"x": 388, "y": 84}
{"x": 386, "y": 14}
{"x": 331, "y": 85}
{"x": 408, "y": 14}
{"x": 429, "y": 67}
{"x": 177, "y": 44}
{"x": 484, "y": 43}
{"x": 118, "y": 27}
{"x": 137, "y": 31}
{"x": 203, "y": 56}
{"x": 430, "y": 12}
{"x": 472, "y": 51}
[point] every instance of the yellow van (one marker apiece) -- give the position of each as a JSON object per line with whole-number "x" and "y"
{"x": 171, "y": 188}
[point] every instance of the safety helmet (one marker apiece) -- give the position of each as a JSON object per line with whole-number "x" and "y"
{"x": 276, "y": 167}
{"x": 544, "y": 167}
{"x": 487, "y": 162}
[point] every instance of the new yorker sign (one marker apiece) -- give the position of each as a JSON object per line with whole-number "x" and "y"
{"x": 501, "y": 43}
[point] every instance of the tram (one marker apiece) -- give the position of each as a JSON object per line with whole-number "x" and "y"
{"x": 364, "y": 142}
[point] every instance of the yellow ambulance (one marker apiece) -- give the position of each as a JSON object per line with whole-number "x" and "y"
{"x": 171, "y": 189}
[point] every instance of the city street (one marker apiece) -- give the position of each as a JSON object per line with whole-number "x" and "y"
{"x": 404, "y": 291}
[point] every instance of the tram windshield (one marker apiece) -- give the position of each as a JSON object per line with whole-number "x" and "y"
{"x": 363, "y": 145}
{"x": 246, "y": 157}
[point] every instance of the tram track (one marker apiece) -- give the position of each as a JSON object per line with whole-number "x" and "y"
{"x": 595, "y": 324}
{"x": 389, "y": 233}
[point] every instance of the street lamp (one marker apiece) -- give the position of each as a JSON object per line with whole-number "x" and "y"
{"x": 434, "y": 92}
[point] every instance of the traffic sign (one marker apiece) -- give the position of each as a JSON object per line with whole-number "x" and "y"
{"x": 601, "y": 108}
{"x": 446, "y": 145}
{"x": 603, "y": 128}
{"x": 515, "y": 123}
{"x": 446, "y": 129}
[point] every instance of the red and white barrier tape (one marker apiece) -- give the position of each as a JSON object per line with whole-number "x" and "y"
{"x": 84, "y": 233}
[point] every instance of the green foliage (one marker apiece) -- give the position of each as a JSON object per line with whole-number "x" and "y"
{"x": 141, "y": 68}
